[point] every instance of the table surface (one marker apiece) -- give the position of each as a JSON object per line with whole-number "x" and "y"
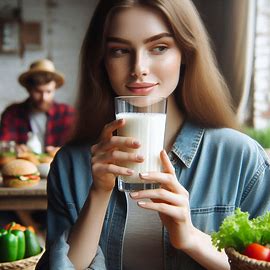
{"x": 24, "y": 201}
{"x": 26, "y": 198}
{"x": 39, "y": 189}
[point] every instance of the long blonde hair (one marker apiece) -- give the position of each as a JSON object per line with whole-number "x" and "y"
{"x": 201, "y": 95}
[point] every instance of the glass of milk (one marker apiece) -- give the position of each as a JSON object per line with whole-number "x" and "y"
{"x": 145, "y": 118}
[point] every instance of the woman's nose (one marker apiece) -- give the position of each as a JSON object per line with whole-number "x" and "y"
{"x": 140, "y": 66}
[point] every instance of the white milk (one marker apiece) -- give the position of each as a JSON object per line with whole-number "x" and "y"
{"x": 148, "y": 129}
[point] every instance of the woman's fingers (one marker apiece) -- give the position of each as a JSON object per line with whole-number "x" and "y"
{"x": 168, "y": 181}
{"x": 167, "y": 178}
{"x": 115, "y": 142}
{"x": 110, "y": 128}
{"x": 102, "y": 169}
{"x": 165, "y": 202}
{"x": 166, "y": 163}
{"x": 161, "y": 195}
{"x": 107, "y": 132}
{"x": 111, "y": 151}
{"x": 117, "y": 156}
{"x": 175, "y": 212}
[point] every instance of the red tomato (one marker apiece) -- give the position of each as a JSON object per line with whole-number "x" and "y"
{"x": 258, "y": 252}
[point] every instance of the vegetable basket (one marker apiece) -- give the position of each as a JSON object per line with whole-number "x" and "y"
{"x": 24, "y": 264}
{"x": 241, "y": 262}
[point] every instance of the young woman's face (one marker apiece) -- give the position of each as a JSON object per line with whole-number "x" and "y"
{"x": 141, "y": 57}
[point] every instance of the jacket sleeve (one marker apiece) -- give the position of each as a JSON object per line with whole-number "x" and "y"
{"x": 61, "y": 216}
{"x": 256, "y": 198}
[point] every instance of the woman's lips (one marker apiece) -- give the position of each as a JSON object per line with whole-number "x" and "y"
{"x": 141, "y": 88}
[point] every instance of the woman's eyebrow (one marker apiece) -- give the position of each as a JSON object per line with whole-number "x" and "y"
{"x": 117, "y": 40}
{"x": 157, "y": 37}
{"x": 150, "y": 39}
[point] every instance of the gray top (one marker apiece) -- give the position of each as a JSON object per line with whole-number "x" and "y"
{"x": 142, "y": 247}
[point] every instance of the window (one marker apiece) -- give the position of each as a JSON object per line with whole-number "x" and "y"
{"x": 261, "y": 105}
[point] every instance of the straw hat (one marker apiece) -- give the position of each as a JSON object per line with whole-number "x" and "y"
{"x": 42, "y": 66}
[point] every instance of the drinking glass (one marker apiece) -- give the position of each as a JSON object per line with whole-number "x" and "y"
{"x": 145, "y": 119}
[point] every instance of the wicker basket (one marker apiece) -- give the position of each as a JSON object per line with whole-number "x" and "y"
{"x": 24, "y": 264}
{"x": 242, "y": 262}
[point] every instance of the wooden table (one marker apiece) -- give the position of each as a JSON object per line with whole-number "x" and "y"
{"x": 24, "y": 201}
{"x": 28, "y": 198}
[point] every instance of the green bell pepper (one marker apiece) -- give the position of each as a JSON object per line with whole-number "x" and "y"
{"x": 12, "y": 245}
{"x": 8, "y": 247}
{"x": 3, "y": 231}
{"x": 32, "y": 246}
{"x": 17, "y": 244}
{"x": 21, "y": 243}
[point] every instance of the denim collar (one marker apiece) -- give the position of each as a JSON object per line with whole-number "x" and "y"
{"x": 187, "y": 142}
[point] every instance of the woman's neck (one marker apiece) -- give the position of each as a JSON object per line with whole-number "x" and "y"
{"x": 173, "y": 123}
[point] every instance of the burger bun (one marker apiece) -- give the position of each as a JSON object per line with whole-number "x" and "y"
{"x": 20, "y": 173}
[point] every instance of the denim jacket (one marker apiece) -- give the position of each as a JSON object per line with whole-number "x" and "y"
{"x": 222, "y": 169}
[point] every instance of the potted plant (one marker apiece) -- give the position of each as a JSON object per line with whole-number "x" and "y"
{"x": 262, "y": 136}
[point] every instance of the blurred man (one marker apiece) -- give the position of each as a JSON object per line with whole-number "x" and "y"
{"x": 39, "y": 114}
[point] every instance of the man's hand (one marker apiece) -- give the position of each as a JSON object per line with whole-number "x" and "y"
{"x": 21, "y": 149}
{"x": 51, "y": 150}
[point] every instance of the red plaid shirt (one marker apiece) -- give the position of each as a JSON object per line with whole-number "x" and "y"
{"x": 15, "y": 123}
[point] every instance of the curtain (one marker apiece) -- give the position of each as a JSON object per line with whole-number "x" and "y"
{"x": 231, "y": 26}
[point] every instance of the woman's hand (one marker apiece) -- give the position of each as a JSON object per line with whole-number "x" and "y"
{"x": 171, "y": 200}
{"x": 108, "y": 153}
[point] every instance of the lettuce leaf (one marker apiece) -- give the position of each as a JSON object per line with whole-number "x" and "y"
{"x": 238, "y": 231}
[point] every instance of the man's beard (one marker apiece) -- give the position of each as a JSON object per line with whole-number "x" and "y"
{"x": 42, "y": 106}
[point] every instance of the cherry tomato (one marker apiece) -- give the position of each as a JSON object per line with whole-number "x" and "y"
{"x": 258, "y": 252}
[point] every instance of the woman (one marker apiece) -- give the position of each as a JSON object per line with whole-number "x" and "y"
{"x": 151, "y": 47}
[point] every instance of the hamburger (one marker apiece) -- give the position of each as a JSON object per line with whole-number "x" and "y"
{"x": 20, "y": 173}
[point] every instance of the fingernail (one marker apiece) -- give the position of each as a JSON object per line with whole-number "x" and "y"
{"x": 133, "y": 194}
{"x": 140, "y": 157}
{"x": 130, "y": 172}
{"x": 141, "y": 203}
{"x": 136, "y": 143}
{"x": 143, "y": 175}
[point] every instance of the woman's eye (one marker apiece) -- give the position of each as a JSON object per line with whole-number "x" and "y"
{"x": 116, "y": 52}
{"x": 159, "y": 49}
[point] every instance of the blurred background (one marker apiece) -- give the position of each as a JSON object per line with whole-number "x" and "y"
{"x": 239, "y": 31}
{"x": 54, "y": 29}
{"x": 31, "y": 30}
